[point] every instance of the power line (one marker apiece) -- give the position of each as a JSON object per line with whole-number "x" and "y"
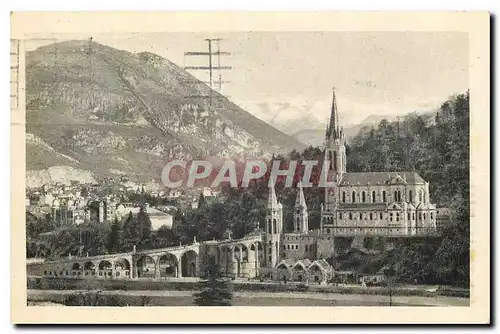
{"x": 212, "y": 57}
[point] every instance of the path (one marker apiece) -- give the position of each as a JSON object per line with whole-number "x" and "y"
{"x": 407, "y": 300}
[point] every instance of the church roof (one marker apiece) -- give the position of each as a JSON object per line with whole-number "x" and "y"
{"x": 358, "y": 206}
{"x": 322, "y": 264}
{"x": 374, "y": 178}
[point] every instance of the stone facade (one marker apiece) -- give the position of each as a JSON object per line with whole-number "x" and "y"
{"x": 372, "y": 203}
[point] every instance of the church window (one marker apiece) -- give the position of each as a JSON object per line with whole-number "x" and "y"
{"x": 269, "y": 227}
{"x": 425, "y": 198}
{"x": 274, "y": 226}
{"x": 414, "y": 216}
{"x": 373, "y": 197}
{"x": 288, "y": 246}
{"x": 270, "y": 258}
{"x": 420, "y": 216}
{"x": 340, "y": 215}
{"x": 343, "y": 197}
{"x": 431, "y": 216}
{"x": 350, "y": 215}
{"x": 395, "y": 196}
{"x": 335, "y": 160}
{"x": 284, "y": 247}
{"x": 384, "y": 198}
{"x": 409, "y": 216}
{"x": 363, "y": 197}
{"x": 360, "y": 215}
{"x": 354, "y": 197}
{"x": 421, "y": 195}
{"x": 371, "y": 216}
{"x": 397, "y": 216}
{"x": 381, "y": 215}
{"x": 411, "y": 196}
{"x": 424, "y": 216}
{"x": 390, "y": 217}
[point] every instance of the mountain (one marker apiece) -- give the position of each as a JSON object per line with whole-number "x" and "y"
{"x": 316, "y": 136}
{"x": 94, "y": 108}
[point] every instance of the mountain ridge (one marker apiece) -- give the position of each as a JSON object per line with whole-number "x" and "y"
{"x": 97, "y": 105}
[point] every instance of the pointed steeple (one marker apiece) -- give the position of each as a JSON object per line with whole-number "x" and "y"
{"x": 272, "y": 200}
{"x": 333, "y": 128}
{"x": 300, "y": 201}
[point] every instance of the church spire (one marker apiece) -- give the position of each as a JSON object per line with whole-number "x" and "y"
{"x": 332, "y": 130}
{"x": 301, "y": 220}
{"x": 272, "y": 200}
{"x": 300, "y": 200}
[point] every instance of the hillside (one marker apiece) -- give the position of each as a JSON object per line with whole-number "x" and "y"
{"x": 101, "y": 109}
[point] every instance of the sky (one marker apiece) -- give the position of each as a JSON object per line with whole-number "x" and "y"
{"x": 374, "y": 73}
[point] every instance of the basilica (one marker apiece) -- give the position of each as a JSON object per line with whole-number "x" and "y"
{"x": 382, "y": 204}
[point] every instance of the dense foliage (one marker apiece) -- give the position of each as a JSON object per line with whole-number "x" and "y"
{"x": 439, "y": 152}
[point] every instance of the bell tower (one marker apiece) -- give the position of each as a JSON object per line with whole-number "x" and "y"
{"x": 274, "y": 228}
{"x": 300, "y": 215}
{"x": 335, "y": 162}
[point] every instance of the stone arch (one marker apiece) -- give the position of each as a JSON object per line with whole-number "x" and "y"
{"x": 89, "y": 268}
{"x": 105, "y": 265}
{"x": 168, "y": 264}
{"x": 122, "y": 264}
{"x": 89, "y": 265}
{"x": 189, "y": 264}
{"x": 122, "y": 268}
{"x": 146, "y": 266}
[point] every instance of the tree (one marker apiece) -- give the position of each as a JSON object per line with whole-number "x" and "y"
{"x": 214, "y": 289}
{"x": 114, "y": 242}
{"x": 144, "y": 225}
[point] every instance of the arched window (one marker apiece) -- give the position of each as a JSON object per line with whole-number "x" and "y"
{"x": 395, "y": 195}
{"x": 421, "y": 196}
{"x": 350, "y": 215}
{"x": 381, "y": 215}
{"x": 363, "y": 197}
{"x": 354, "y": 197}
{"x": 384, "y": 198}
{"x": 373, "y": 197}
{"x": 335, "y": 160}
{"x": 343, "y": 197}
{"x": 371, "y": 216}
{"x": 340, "y": 215}
{"x": 397, "y": 216}
{"x": 360, "y": 215}
{"x": 274, "y": 226}
{"x": 425, "y": 200}
{"x": 411, "y": 196}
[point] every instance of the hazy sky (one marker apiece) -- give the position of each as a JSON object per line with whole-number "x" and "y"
{"x": 384, "y": 73}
